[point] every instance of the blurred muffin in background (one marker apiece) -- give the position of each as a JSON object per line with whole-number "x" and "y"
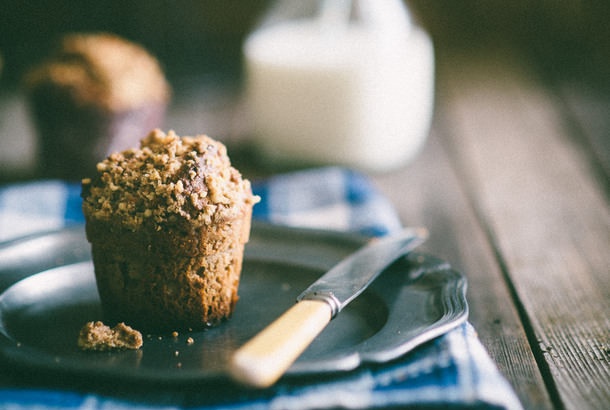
{"x": 97, "y": 93}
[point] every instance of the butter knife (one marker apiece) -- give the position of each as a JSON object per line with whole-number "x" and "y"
{"x": 264, "y": 359}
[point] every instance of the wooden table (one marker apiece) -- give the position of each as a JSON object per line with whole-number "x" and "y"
{"x": 513, "y": 186}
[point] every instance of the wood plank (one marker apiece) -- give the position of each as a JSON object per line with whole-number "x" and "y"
{"x": 587, "y": 113}
{"x": 427, "y": 192}
{"x": 546, "y": 215}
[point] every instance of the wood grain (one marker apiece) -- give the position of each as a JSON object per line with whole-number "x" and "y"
{"x": 545, "y": 214}
{"x": 428, "y": 193}
{"x": 586, "y": 113}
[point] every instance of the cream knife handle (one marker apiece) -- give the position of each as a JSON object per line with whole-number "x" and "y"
{"x": 265, "y": 358}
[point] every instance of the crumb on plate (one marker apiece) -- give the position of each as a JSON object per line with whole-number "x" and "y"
{"x": 100, "y": 337}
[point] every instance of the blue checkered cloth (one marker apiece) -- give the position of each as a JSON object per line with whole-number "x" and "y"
{"x": 453, "y": 370}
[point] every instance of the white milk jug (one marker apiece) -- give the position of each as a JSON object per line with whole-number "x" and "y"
{"x": 339, "y": 82}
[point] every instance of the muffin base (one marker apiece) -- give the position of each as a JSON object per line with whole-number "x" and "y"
{"x": 168, "y": 279}
{"x": 74, "y": 138}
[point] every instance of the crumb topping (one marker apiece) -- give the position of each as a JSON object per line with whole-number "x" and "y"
{"x": 102, "y": 69}
{"x": 98, "y": 336}
{"x": 167, "y": 178}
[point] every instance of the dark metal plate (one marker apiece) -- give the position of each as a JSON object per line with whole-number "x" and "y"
{"x": 418, "y": 298}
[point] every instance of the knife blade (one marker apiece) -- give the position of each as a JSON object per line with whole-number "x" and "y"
{"x": 264, "y": 359}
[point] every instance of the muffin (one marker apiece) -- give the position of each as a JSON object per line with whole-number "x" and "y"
{"x": 90, "y": 98}
{"x": 167, "y": 225}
